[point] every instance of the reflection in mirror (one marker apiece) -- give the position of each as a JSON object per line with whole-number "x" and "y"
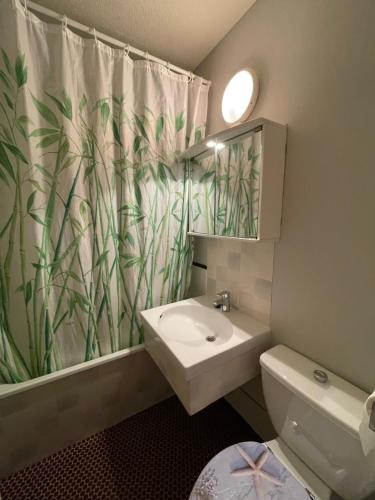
{"x": 202, "y": 195}
{"x": 236, "y": 182}
{"x": 237, "y": 188}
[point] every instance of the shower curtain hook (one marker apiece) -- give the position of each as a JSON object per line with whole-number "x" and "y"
{"x": 25, "y": 7}
{"x": 64, "y": 22}
{"x": 191, "y": 77}
{"x": 126, "y": 50}
{"x": 168, "y": 66}
{"x": 93, "y": 31}
{"x": 146, "y": 56}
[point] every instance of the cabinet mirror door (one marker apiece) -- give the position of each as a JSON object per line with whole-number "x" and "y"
{"x": 238, "y": 172}
{"x": 202, "y": 195}
{"x": 224, "y": 189}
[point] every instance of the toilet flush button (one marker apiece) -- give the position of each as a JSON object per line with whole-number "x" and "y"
{"x": 320, "y": 376}
{"x": 295, "y": 426}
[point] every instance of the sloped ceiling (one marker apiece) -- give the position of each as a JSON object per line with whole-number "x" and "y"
{"x": 182, "y": 32}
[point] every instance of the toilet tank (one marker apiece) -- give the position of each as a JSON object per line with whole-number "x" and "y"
{"x": 318, "y": 421}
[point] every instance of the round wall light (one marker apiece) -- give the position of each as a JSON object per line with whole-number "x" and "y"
{"x": 240, "y": 96}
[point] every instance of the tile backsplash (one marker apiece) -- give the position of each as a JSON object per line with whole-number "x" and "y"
{"x": 243, "y": 267}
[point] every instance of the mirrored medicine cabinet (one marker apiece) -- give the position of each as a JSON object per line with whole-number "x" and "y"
{"x": 236, "y": 182}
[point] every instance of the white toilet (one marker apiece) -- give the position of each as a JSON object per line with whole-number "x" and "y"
{"x": 316, "y": 415}
{"x": 317, "y": 421}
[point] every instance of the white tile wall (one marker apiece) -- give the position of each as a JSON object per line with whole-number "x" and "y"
{"x": 45, "y": 419}
{"x": 243, "y": 267}
{"x": 246, "y": 269}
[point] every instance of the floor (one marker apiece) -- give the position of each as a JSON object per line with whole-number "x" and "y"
{"x": 156, "y": 454}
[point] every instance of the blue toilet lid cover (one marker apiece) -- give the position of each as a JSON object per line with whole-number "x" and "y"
{"x": 247, "y": 471}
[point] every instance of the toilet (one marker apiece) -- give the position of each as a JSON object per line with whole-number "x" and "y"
{"x": 317, "y": 453}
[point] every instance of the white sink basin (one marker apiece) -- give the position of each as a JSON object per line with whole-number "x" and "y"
{"x": 203, "y": 352}
{"x": 194, "y": 326}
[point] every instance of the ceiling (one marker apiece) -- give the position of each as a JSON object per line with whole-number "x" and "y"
{"x": 182, "y": 32}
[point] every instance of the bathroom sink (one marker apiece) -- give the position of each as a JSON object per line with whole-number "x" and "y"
{"x": 204, "y": 353}
{"x": 193, "y": 325}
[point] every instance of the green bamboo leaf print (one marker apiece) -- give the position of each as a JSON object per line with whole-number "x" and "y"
{"x": 30, "y": 201}
{"x": 104, "y": 114}
{"x": 207, "y": 176}
{"x": 108, "y": 235}
{"x": 128, "y": 237}
{"x": 46, "y": 112}
{"x": 37, "y": 186}
{"x": 137, "y": 143}
{"x": 5, "y": 79}
{"x": 138, "y": 193}
{"x": 171, "y": 174}
{"x": 20, "y": 124}
{"x": 64, "y": 106}
{"x": 161, "y": 173}
{"x": 81, "y": 300}
{"x": 159, "y": 128}
{"x": 132, "y": 260}
{"x": 23, "y": 119}
{"x": 6, "y": 133}
{"x": 67, "y": 106}
{"x": 28, "y": 292}
{"x": 68, "y": 162}
{"x": 15, "y": 151}
{"x": 43, "y": 171}
{"x": 37, "y": 219}
{"x": 254, "y": 174}
{"x": 20, "y": 129}
{"x": 136, "y": 220}
{"x": 8, "y": 101}
{"x": 4, "y": 161}
{"x": 82, "y": 103}
{"x": 74, "y": 276}
{"x": 47, "y": 141}
{"x": 20, "y": 70}
{"x": 179, "y": 121}
{"x": 64, "y": 149}
{"x": 197, "y": 136}
{"x": 116, "y": 133}
{"x": 83, "y": 209}
{"x": 141, "y": 127}
{"x": 101, "y": 258}
{"x": 7, "y": 62}
{"x": 4, "y": 179}
{"x": 40, "y": 132}
{"x": 141, "y": 172}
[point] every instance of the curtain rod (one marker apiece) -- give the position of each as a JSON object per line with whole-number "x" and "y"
{"x": 85, "y": 29}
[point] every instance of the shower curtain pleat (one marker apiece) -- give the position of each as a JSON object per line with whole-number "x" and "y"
{"x": 93, "y": 202}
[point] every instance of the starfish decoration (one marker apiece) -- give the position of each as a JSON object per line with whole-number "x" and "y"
{"x": 255, "y": 470}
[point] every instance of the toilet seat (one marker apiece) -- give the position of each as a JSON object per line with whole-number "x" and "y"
{"x": 232, "y": 472}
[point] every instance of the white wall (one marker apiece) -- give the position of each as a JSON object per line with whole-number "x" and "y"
{"x": 316, "y": 62}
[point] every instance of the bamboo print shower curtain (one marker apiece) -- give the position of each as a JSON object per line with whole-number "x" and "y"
{"x": 93, "y": 204}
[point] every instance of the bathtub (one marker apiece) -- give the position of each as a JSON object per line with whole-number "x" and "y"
{"x": 45, "y": 414}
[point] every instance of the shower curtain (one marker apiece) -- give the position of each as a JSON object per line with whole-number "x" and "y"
{"x": 93, "y": 201}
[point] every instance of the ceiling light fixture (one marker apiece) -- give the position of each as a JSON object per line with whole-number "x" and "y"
{"x": 240, "y": 96}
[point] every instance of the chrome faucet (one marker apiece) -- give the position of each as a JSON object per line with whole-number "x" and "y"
{"x": 222, "y": 301}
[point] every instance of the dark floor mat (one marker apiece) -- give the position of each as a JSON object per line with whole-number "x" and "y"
{"x": 156, "y": 454}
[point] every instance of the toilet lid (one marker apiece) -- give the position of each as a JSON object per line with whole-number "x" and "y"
{"x": 247, "y": 471}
